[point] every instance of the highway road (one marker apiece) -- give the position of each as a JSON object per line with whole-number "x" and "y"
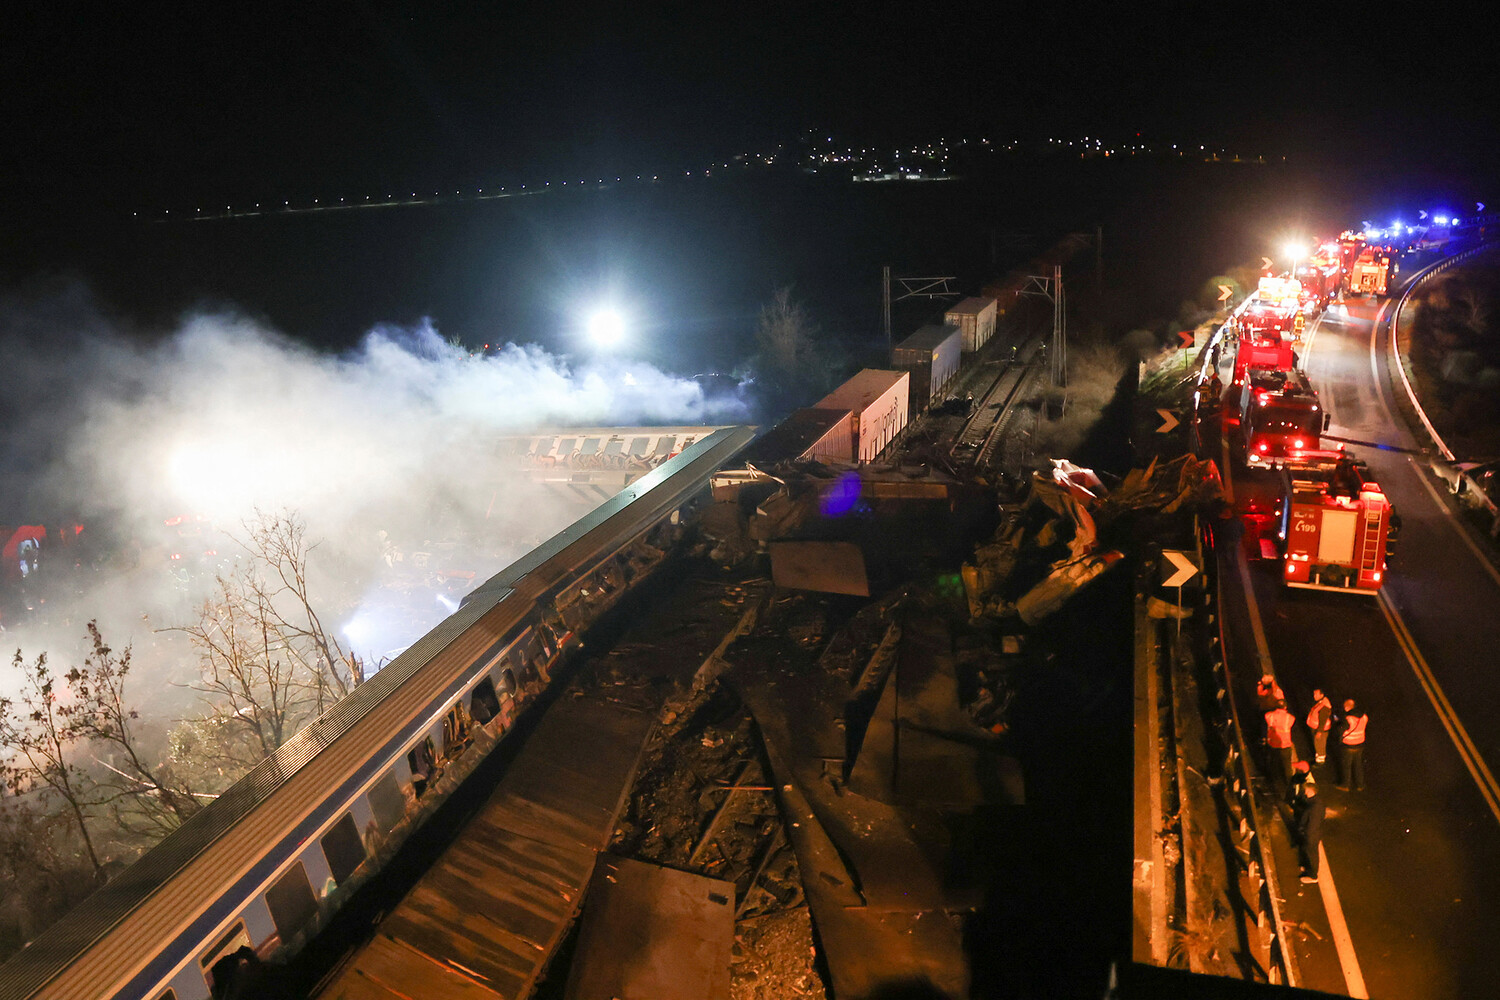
{"x": 1409, "y": 904}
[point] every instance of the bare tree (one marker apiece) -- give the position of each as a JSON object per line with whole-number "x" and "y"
{"x": 278, "y": 542}
{"x": 786, "y": 334}
{"x": 250, "y": 684}
{"x": 147, "y": 795}
{"x": 38, "y": 750}
{"x": 268, "y": 664}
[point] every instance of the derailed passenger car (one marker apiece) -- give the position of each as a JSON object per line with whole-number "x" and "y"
{"x": 266, "y": 863}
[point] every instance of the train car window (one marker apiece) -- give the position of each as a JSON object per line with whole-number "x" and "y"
{"x": 422, "y": 760}
{"x": 639, "y": 445}
{"x": 529, "y": 672}
{"x": 544, "y": 446}
{"x": 233, "y": 940}
{"x": 565, "y": 447}
{"x": 666, "y": 444}
{"x": 484, "y": 703}
{"x": 455, "y": 731}
{"x": 291, "y": 902}
{"x": 387, "y": 802}
{"x": 590, "y": 446}
{"x": 343, "y": 848}
{"x": 507, "y": 677}
{"x": 167, "y": 994}
{"x": 615, "y": 446}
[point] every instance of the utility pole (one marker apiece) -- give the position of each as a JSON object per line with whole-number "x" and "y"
{"x": 912, "y": 288}
{"x": 1059, "y": 330}
{"x": 885, "y": 304}
{"x": 1098, "y": 260}
{"x": 1052, "y": 289}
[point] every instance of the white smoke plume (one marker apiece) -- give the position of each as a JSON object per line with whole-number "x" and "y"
{"x": 383, "y": 451}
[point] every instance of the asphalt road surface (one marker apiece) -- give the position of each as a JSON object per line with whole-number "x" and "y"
{"x": 1414, "y": 859}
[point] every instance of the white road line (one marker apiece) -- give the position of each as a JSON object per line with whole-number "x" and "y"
{"x": 1354, "y": 979}
{"x": 1478, "y": 769}
{"x": 1262, "y": 648}
{"x": 1374, "y": 357}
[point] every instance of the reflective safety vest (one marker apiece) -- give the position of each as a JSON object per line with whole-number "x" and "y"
{"x": 1320, "y": 718}
{"x": 1279, "y": 728}
{"x": 1354, "y": 732}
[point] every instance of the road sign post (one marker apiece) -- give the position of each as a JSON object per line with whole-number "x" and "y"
{"x": 1177, "y": 569}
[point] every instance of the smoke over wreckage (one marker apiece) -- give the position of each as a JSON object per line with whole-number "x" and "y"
{"x": 161, "y": 457}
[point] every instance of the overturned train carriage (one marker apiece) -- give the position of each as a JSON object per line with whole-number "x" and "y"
{"x": 268, "y": 861}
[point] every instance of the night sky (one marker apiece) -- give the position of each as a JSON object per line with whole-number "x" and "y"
{"x": 114, "y": 105}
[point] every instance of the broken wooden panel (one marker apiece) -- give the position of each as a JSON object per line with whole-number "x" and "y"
{"x": 653, "y": 933}
{"x": 831, "y": 567}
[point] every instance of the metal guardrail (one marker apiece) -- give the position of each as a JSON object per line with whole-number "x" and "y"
{"x": 1239, "y": 798}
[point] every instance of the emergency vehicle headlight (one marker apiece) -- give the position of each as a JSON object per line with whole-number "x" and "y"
{"x": 1264, "y": 447}
{"x": 1291, "y": 568}
{"x": 1375, "y": 576}
{"x": 1297, "y": 443}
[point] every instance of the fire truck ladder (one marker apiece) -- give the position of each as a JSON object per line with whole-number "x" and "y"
{"x": 1370, "y": 550}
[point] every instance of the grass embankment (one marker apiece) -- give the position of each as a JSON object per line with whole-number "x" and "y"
{"x": 1450, "y": 335}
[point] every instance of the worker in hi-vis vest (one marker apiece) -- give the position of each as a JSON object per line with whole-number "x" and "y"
{"x": 1352, "y": 746}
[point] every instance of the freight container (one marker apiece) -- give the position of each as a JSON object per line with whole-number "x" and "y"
{"x": 880, "y": 402}
{"x": 811, "y": 433}
{"x": 976, "y": 318}
{"x": 931, "y": 355}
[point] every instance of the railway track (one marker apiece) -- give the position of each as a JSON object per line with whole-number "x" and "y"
{"x": 975, "y": 441}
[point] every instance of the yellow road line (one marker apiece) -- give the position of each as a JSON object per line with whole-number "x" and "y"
{"x": 1354, "y": 979}
{"x": 1449, "y": 718}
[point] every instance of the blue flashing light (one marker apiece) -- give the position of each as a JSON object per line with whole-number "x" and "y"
{"x": 841, "y": 495}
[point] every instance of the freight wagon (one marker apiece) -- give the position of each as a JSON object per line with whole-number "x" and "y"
{"x": 932, "y": 356}
{"x": 880, "y": 402}
{"x": 975, "y": 318}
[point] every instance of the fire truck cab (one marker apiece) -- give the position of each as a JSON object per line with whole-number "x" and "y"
{"x": 1253, "y": 353}
{"x": 1370, "y": 272}
{"x": 1336, "y": 528}
{"x": 1281, "y": 420}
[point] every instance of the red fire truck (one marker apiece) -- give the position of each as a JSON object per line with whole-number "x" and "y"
{"x": 1370, "y": 272}
{"x": 1336, "y": 528}
{"x": 1350, "y": 244}
{"x": 1280, "y": 419}
{"x": 1320, "y": 276}
{"x": 1253, "y": 353}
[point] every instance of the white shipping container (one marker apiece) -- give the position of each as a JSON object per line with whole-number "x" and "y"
{"x": 932, "y": 355}
{"x": 976, "y": 318}
{"x": 880, "y": 401}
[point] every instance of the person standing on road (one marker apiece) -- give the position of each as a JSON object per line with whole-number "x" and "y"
{"x": 1352, "y": 743}
{"x": 1279, "y": 724}
{"x": 1309, "y": 813}
{"x": 1320, "y": 721}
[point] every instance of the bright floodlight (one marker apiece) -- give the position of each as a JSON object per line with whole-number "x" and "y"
{"x": 606, "y": 328}
{"x": 1296, "y": 251}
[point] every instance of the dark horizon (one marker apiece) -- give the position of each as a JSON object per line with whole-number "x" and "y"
{"x": 158, "y": 108}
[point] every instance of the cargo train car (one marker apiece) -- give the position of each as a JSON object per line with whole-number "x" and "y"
{"x": 932, "y": 356}
{"x": 881, "y": 403}
{"x": 975, "y": 318}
